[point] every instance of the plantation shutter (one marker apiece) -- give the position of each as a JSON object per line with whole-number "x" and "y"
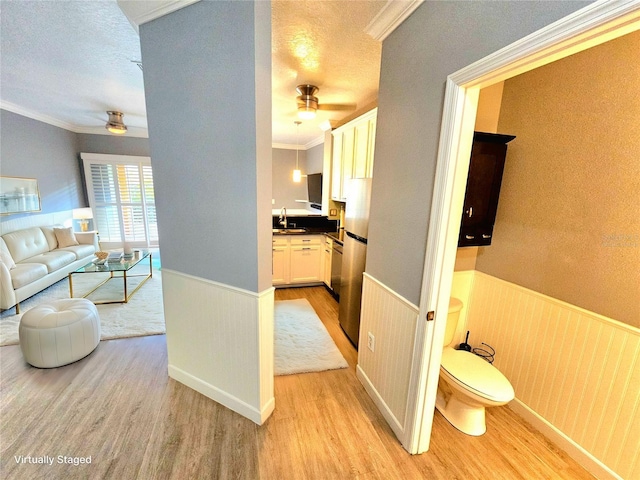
{"x": 122, "y": 198}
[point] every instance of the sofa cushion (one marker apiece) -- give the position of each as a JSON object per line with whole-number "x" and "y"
{"x": 80, "y": 251}
{"x": 26, "y": 243}
{"x": 5, "y": 255}
{"x": 65, "y": 237}
{"x": 51, "y": 236}
{"x": 53, "y": 260}
{"x": 25, "y": 273}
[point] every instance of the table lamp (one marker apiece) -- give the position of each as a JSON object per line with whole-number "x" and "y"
{"x": 83, "y": 215}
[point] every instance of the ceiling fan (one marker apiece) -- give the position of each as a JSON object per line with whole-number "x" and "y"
{"x": 308, "y": 102}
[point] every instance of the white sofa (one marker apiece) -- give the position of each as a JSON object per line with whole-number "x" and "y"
{"x": 32, "y": 259}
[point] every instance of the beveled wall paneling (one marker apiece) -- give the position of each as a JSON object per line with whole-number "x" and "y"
{"x": 577, "y": 370}
{"x": 220, "y": 342}
{"x": 386, "y": 370}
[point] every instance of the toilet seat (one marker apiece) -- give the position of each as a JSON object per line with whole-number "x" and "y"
{"x": 476, "y": 375}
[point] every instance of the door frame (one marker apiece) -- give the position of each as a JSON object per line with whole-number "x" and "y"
{"x": 590, "y": 26}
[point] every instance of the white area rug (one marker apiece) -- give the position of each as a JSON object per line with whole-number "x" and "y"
{"x": 302, "y": 342}
{"x": 143, "y": 315}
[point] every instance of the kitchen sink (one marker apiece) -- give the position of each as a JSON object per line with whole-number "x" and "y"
{"x": 289, "y": 230}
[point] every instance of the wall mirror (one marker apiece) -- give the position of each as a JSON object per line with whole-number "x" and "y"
{"x": 19, "y": 195}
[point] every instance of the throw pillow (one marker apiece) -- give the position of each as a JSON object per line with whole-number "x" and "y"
{"x": 65, "y": 237}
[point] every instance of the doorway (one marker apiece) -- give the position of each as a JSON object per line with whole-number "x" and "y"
{"x": 593, "y": 25}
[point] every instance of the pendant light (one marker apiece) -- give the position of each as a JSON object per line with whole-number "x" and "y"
{"x": 297, "y": 174}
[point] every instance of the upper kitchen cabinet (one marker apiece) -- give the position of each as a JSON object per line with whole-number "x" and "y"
{"x": 483, "y": 188}
{"x": 353, "y": 145}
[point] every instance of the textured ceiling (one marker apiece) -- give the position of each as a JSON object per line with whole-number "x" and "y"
{"x": 322, "y": 43}
{"x": 68, "y": 62}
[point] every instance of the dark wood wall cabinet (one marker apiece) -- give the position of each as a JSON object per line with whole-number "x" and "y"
{"x": 483, "y": 188}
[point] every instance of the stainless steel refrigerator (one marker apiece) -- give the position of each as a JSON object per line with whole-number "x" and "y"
{"x": 356, "y": 226}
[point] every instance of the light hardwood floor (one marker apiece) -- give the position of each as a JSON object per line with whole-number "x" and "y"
{"x": 119, "y": 407}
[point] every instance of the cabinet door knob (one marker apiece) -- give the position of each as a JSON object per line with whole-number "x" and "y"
{"x": 469, "y": 212}
{"x": 469, "y": 237}
{"x": 484, "y": 235}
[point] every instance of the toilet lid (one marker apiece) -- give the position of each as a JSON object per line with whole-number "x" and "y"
{"x": 477, "y": 374}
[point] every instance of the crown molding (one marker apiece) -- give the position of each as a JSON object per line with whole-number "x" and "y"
{"x": 289, "y": 146}
{"x": 137, "y": 132}
{"x": 25, "y": 112}
{"x": 390, "y": 17}
{"x": 315, "y": 142}
{"x": 138, "y": 12}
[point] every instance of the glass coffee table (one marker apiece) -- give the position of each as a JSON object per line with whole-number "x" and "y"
{"x": 116, "y": 270}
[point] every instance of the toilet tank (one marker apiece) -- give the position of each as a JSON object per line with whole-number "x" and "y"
{"x": 455, "y": 306}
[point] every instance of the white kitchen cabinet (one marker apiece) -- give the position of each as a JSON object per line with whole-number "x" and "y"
{"x": 306, "y": 264}
{"x": 336, "y": 168}
{"x": 353, "y": 153}
{"x": 361, "y": 148}
{"x": 327, "y": 257}
{"x": 371, "y": 147}
{"x": 297, "y": 259}
{"x": 281, "y": 260}
{"x": 348, "y": 144}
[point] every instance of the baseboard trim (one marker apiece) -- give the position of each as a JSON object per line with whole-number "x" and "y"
{"x": 575, "y": 451}
{"x": 380, "y": 403}
{"x": 223, "y": 398}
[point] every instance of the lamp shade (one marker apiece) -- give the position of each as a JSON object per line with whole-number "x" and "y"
{"x": 82, "y": 213}
{"x": 83, "y": 218}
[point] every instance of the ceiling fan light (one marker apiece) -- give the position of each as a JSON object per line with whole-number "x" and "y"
{"x": 306, "y": 113}
{"x": 115, "y": 124}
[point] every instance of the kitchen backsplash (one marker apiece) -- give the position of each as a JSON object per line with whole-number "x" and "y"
{"x": 313, "y": 223}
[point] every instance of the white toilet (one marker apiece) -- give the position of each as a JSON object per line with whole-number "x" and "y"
{"x": 468, "y": 383}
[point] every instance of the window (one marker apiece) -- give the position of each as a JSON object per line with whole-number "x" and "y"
{"x": 120, "y": 190}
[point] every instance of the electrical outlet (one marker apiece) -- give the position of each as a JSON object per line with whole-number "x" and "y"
{"x": 371, "y": 341}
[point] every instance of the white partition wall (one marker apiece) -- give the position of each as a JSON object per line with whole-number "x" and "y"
{"x": 207, "y": 72}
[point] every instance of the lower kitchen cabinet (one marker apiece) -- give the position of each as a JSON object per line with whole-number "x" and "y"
{"x": 297, "y": 259}
{"x": 327, "y": 257}
{"x": 280, "y": 271}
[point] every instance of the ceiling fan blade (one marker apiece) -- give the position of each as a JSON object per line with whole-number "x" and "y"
{"x": 337, "y": 106}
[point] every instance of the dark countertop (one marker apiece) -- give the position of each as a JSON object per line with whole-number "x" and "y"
{"x": 337, "y": 237}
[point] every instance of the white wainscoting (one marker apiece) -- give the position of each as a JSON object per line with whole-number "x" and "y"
{"x": 36, "y": 220}
{"x": 220, "y": 342}
{"x": 385, "y": 372}
{"x": 576, "y": 374}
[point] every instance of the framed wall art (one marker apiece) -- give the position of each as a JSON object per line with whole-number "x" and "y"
{"x": 19, "y": 195}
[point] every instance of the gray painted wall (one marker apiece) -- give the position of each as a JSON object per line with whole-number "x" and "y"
{"x": 315, "y": 159}
{"x": 33, "y": 149}
{"x": 113, "y": 145}
{"x": 438, "y": 39}
{"x": 214, "y": 215}
{"x": 285, "y": 191}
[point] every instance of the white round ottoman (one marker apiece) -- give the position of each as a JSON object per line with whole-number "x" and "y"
{"x": 59, "y": 332}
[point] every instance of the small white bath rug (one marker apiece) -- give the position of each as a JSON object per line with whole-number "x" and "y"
{"x": 302, "y": 342}
{"x": 143, "y": 315}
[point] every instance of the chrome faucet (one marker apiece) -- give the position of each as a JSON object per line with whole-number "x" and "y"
{"x": 283, "y": 217}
